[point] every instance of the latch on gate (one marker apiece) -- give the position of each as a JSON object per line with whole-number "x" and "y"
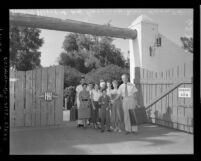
{"x": 48, "y": 96}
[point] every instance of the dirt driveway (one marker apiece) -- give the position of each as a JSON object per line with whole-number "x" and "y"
{"x": 68, "y": 139}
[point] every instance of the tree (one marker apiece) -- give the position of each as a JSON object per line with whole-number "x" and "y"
{"x": 24, "y": 45}
{"x": 71, "y": 76}
{"x": 90, "y": 52}
{"x": 187, "y": 44}
{"x": 108, "y": 73}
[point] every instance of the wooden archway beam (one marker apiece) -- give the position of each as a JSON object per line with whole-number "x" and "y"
{"x": 67, "y": 25}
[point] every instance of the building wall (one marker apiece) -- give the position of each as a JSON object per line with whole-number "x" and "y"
{"x": 166, "y": 56}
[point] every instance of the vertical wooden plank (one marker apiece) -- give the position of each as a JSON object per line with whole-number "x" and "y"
{"x": 188, "y": 73}
{"x": 12, "y": 98}
{"x": 166, "y": 98}
{"x": 159, "y": 91}
{"x": 174, "y": 100}
{"x": 28, "y": 107}
{"x": 163, "y": 107}
{"x": 188, "y": 101}
{"x": 20, "y": 95}
{"x": 51, "y": 88}
{"x": 140, "y": 87}
{"x": 156, "y": 94}
{"x": 59, "y": 91}
{"x": 44, "y": 104}
{"x": 38, "y": 93}
{"x": 153, "y": 89}
{"x": 150, "y": 85}
{"x": 181, "y": 118}
{"x": 33, "y": 113}
{"x": 181, "y": 100}
{"x": 142, "y": 84}
{"x": 170, "y": 103}
{"x": 146, "y": 86}
{"x": 152, "y": 95}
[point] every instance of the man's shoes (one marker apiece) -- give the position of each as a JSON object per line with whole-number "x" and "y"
{"x": 109, "y": 130}
{"x": 79, "y": 125}
{"x": 126, "y": 133}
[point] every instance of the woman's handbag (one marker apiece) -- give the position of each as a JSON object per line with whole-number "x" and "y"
{"x": 138, "y": 115}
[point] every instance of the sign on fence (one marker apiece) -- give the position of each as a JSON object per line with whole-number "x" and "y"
{"x": 184, "y": 92}
{"x": 48, "y": 95}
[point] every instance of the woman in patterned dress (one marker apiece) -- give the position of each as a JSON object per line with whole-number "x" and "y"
{"x": 84, "y": 112}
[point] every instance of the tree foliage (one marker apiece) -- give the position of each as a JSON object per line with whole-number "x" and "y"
{"x": 187, "y": 43}
{"x": 86, "y": 52}
{"x": 24, "y": 45}
{"x": 108, "y": 73}
{"x": 71, "y": 76}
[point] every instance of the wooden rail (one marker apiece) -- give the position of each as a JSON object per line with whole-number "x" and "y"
{"x": 165, "y": 93}
{"x": 50, "y": 23}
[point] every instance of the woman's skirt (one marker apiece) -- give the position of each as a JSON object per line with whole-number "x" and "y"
{"x": 84, "y": 113}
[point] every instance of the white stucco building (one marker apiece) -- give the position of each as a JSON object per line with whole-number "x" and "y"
{"x": 152, "y": 50}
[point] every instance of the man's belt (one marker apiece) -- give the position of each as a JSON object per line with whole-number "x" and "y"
{"x": 84, "y": 99}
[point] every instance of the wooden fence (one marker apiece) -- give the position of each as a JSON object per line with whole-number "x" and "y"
{"x": 171, "y": 110}
{"x": 28, "y": 106}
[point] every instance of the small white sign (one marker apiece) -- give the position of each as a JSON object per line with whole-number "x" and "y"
{"x": 66, "y": 115}
{"x": 184, "y": 92}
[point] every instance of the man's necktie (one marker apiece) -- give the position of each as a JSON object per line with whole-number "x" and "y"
{"x": 126, "y": 90}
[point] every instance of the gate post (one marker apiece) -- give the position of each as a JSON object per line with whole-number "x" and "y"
{"x": 147, "y": 31}
{"x": 135, "y": 51}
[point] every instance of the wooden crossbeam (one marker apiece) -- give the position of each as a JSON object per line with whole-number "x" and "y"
{"x": 67, "y": 25}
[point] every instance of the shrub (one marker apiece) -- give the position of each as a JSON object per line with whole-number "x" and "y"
{"x": 71, "y": 76}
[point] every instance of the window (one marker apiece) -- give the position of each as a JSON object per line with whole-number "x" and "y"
{"x": 158, "y": 41}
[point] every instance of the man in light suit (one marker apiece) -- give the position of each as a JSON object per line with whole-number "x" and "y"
{"x": 127, "y": 90}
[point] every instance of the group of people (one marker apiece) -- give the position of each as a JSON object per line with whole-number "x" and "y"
{"x": 105, "y": 107}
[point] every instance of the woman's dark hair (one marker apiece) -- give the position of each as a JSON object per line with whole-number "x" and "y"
{"x": 92, "y": 83}
{"x": 84, "y": 84}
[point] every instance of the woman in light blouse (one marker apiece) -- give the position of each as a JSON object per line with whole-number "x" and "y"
{"x": 117, "y": 110}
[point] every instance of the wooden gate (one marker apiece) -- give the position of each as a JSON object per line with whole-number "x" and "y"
{"x": 36, "y": 97}
{"x": 159, "y": 93}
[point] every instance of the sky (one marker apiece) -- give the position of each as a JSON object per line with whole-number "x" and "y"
{"x": 172, "y": 23}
